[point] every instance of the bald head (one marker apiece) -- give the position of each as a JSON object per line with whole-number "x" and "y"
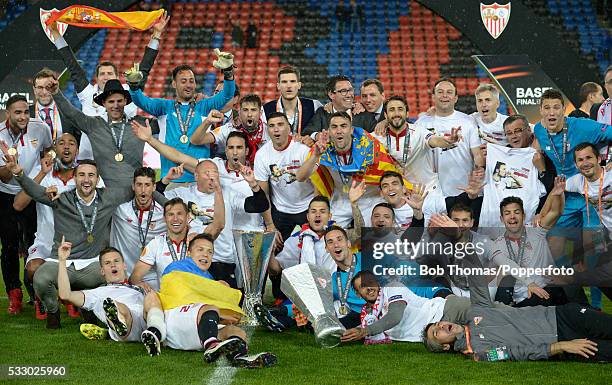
{"x": 206, "y": 176}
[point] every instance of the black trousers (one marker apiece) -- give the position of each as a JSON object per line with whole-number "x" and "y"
{"x": 224, "y": 272}
{"x": 575, "y": 321}
{"x": 16, "y": 232}
{"x": 505, "y": 293}
{"x": 285, "y": 223}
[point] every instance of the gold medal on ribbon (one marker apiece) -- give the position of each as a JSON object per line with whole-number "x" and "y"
{"x": 52, "y": 154}
{"x": 12, "y": 151}
{"x": 184, "y": 139}
{"x": 343, "y": 310}
{"x": 119, "y": 157}
{"x": 345, "y": 188}
{"x": 90, "y": 238}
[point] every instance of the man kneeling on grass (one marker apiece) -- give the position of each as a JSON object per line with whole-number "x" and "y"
{"x": 528, "y": 333}
{"x": 117, "y": 304}
{"x": 200, "y": 312}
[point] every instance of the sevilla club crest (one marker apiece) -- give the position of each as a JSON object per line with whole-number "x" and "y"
{"x": 495, "y": 18}
{"x": 44, "y": 16}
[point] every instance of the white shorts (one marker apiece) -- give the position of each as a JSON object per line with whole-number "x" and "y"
{"x": 182, "y": 327}
{"x": 138, "y": 325}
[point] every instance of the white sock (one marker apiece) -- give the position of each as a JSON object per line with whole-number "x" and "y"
{"x": 155, "y": 318}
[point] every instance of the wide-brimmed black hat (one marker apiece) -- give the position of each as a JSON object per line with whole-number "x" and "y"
{"x": 112, "y": 86}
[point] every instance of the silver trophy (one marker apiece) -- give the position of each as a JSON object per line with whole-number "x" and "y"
{"x": 254, "y": 249}
{"x": 309, "y": 287}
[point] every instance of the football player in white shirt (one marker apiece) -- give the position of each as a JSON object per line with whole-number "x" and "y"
{"x": 531, "y": 250}
{"x": 137, "y": 222}
{"x": 25, "y": 138}
{"x": 406, "y": 204}
{"x": 306, "y": 245}
{"x": 488, "y": 120}
{"x": 395, "y": 313}
{"x": 230, "y": 177}
{"x": 411, "y": 145}
{"x": 201, "y": 326}
{"x": 171, "y": 245}
{"x": 596, "y": 182}
{"x": 341, "y": 137}
{"x": 251, "y": 123}
{"x": 202, "y": 200}
{"x": 276, "y": 167}
{"x": 124, "y": 308}
{"x": 455, "y": 164}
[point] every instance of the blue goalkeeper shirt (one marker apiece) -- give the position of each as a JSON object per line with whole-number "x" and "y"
{"x": 579, "y": 130}
{"x": 164, "y": 110}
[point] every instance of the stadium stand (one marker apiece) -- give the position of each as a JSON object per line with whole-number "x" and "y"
{"x": 404, "y": 44}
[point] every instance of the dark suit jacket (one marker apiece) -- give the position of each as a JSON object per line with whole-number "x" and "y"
{"x": 320, "y": 121}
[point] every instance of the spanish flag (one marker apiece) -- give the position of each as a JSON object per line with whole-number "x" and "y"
{"x": 369, "y": 161}
{"x": 90, "y": 17}
{"x": 183, "y": 283}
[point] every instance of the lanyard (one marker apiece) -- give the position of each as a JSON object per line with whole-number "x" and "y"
{"x": 184, "y": 125}
{"x": 599, "y": 196}
{"x": 297, "y": 117}
{"x": 406, "y": 144}
{"x": 17, "y": 139}
{"x": 561, "y": 158}
{"x": 118, "y": 141}
{"x": 183, "y": 246}
{"x": 88, "y": 226}
{"x": 343, "y": 294}
{"x": 141, "y": 236}
{"x": 521, "y": 248}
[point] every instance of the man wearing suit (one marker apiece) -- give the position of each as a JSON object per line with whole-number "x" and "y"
{"x": 299, "y": 110}
{"x": 45, "y": 109}
{"x": 373, "y": 97}
{"x": 342, "y": 96}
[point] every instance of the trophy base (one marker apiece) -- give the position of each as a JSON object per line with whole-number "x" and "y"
{"x": 250, "y": 300}
{"x": 328, "y": 331}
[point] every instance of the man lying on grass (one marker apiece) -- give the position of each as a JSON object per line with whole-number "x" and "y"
{"x": 117, "y": 304}
{"x": 394, "y": 312}
{"x": 528, "y": 333}
{"x": 200, "y": 312}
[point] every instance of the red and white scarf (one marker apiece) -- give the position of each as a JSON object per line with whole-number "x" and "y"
{"x": 368, "y": 318}
{"x": 255, "y": 139}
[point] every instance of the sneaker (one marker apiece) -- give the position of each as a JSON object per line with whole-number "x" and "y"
{"x": 151, "y": 342}
{"x": 112, "y": 318}
{"x": 230, "y": 347}
{"x": 72, "y": 310}
{"x": 41, "y": 311}
{"x": 53, "y": 320}
{"x": 260, "y": 360}
{"x": 15, "y": 297}
{"x": 93, "y": 332}
{"x": 266, "y": 318}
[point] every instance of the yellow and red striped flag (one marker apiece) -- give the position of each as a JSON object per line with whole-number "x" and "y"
{"x": 90, "y": 17}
